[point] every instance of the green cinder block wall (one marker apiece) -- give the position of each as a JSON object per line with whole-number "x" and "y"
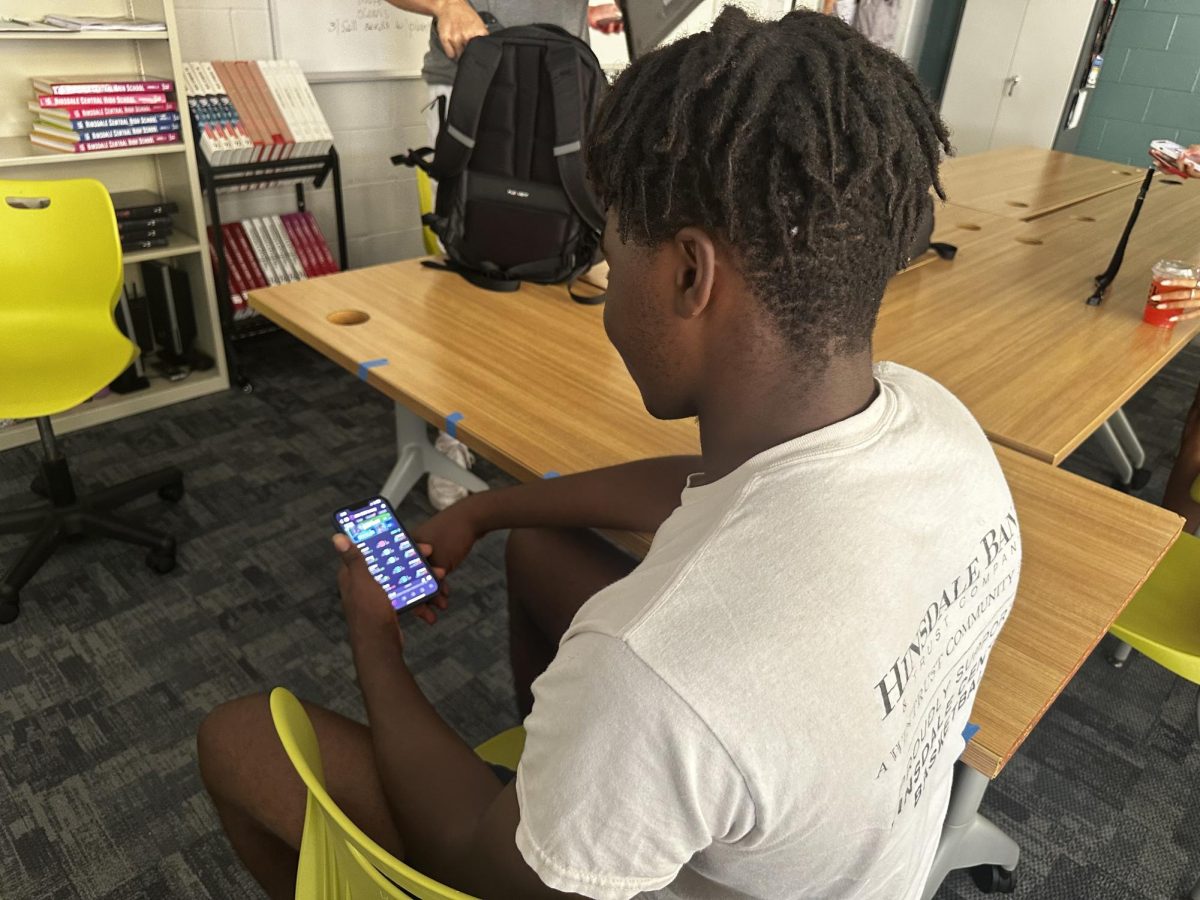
{"x": 1150, "y": 85}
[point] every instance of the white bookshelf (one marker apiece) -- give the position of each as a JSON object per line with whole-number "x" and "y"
{"x": 85, "y": 36}
{"x": 19, "y": 151}
{"x": 169, "y": 170}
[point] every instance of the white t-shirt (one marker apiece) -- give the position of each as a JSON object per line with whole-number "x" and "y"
{"x": 771, "y": 704}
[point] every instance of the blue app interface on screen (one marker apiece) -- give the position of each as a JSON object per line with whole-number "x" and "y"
{"x": 389, "y": 553}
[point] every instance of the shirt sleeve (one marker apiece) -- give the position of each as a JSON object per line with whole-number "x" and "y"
{"x": 621, "y": 782}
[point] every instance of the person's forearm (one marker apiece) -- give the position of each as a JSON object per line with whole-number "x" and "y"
{"x": 636, "y": 496}
{"x": 436, "y": 787}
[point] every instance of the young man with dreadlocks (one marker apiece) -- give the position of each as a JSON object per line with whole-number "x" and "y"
{"x": 770, "y": 704}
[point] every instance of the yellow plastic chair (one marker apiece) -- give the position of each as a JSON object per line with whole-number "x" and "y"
{"x": 425, "y": 204}
{"x": 337, "y": 860}
{"x": 60, "y": 276}
{"x": 1162, "y": 621}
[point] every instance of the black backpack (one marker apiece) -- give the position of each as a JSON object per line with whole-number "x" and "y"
{"x": 513, "y": 203}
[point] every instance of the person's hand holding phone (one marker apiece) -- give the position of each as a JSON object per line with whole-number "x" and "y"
{"x": 449, "y": 535}
{"x": 1182, "y": 297}
{"x": 364, "y": 601}
{"x": 1175, "y": 159}
{"x": 457, "y": 25}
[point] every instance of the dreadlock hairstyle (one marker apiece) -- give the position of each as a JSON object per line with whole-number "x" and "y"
{"x": 807, "y": 149}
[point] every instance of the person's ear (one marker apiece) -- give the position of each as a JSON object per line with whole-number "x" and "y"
{"x": 695, "y": 273}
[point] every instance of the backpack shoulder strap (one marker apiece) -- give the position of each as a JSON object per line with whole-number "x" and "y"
{"x": 456, "y": 139}
{"x": 562, "y": 65}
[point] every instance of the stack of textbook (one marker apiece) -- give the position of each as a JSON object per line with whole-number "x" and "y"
{"x": 254, "y": 111}
{"x": 270, "y": 250}
{"x": 100, "y": 113}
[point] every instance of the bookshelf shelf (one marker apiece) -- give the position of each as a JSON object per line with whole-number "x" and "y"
{"x": 179, "y": 244}
{"x": 117, "y": 406}
{"x": 85, "y": 35}
{"x": 18, "y": 151}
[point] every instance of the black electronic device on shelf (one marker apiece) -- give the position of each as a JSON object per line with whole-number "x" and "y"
{"x": 133, "y": 319}
{"x": 297, "y": 169}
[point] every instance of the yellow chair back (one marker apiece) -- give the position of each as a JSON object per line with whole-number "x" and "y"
{"x": 337, "y": 860}
{"x": 425, "y": 204}
{"x": 60, "y": 276}
{"x": 1162, "y": 621}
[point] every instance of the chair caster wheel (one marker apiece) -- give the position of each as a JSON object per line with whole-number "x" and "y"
{"x": 993, "y": 879}
{"x": 246, "y": 387}
{"x": 160, "y": 561}
{"x": 8, "y": 605}
{"x": 172, "y": 493}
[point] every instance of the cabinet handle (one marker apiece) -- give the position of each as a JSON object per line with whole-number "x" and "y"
{"x": 1012, "y": 81}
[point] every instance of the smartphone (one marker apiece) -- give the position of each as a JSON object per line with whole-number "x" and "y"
{"x": 1169, "y": 150}
{"x": 391, "y": 556}
{"x": 1166, "y": 154}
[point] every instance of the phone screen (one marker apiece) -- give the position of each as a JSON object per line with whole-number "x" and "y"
{"x": 388, "y": 551}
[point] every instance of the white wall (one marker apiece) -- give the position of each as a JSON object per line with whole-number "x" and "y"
{"x": 371, "y": 121}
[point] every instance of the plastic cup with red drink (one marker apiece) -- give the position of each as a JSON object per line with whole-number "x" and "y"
{"x": 1162, "y": 272}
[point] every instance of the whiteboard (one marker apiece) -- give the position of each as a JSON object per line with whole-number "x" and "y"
{"x": 611, "y": 50}
{"x": 352, "y": 40}
{"x": 349, "y": 40}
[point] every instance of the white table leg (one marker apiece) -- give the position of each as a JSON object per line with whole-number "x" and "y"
{"x": 416, "y": 456}
{"x": 968, "y": 839}
{"x": 1116, "y": 453}
{"x": 1128, "y": 439}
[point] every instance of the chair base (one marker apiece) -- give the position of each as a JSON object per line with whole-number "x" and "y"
{"x": 68, "y": 516}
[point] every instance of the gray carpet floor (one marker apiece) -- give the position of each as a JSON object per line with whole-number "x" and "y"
{"x": 110, "y": 667}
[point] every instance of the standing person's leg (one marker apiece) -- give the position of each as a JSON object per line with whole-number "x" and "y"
{"x": 551, "y": 573}
{"x": 1177, "y": 496}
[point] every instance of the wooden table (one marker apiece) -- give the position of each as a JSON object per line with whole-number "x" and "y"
{"x": 1024, "y": 183}
{"x": 1005, "y": 326}
{"x": 533, "y": 385}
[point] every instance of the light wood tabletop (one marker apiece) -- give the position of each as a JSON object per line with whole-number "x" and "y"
{"x": 1028, "y": 182}
{"x": 1005, "y": 326}
{"x": 540, "y": 389}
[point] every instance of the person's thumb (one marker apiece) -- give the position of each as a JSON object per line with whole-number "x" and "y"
{"x": 347, "y": 551}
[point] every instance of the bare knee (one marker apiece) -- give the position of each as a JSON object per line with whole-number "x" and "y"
{"x": 521, "y": 552}
{"x": 532, "y": 558}
{"x": 554, "y": 571}
{"x": 226, "y": 737}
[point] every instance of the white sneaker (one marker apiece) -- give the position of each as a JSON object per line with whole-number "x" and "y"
{"x": 442, "y": 491}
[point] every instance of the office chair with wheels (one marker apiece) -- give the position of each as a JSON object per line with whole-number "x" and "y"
{"x": 60, "y": 276}
{"x": 337, "y": 860}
